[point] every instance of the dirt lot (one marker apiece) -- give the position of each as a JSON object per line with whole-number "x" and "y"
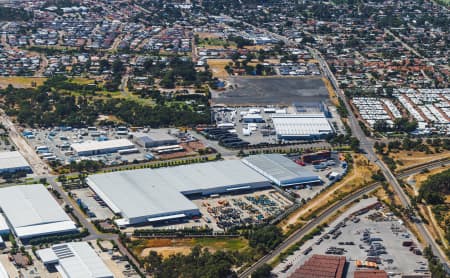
{"x": 167, "y": 247}
{"x": 217, "y": 67}
{"x": 272, "y": 90}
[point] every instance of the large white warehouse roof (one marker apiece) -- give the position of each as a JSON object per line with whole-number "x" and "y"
{"x": 32, "y": 211}
{"x": 301, "y": 125}
{"x": 12, "y": 160}
{"x": 89, "y": 147}
{"x": 136, "y": 194}
{"x": 281, "y": 170}
{"x": 146, "y": 195}
{"x": 75, "y": 260}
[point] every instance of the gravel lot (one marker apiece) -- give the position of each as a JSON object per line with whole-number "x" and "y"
{"x": 271, "y": 91}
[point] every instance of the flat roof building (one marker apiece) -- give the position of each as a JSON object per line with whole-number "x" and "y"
{"x": 12, "y": 162}
{"x": 101, "y": 147}
{"x": 301, "y": 126}
{"x": 154, "y": 139}
{"x": 31, "y": 211}
{"x": 75, "y": 260}
{"x": 281, "y": 170}
{"x": 150, "y": 195}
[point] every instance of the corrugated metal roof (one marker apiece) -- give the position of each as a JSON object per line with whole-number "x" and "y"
{"x": 280, "y": 169}
{"x": 135, "y": 193}
{"x": 101, "y": 145}
{"x": 12, "y": 160}
{"x": 78, "y": 260}
{"x": 28, "y": 207}
{"x": 160, "y": 191}
{"x": 301, "y": 125}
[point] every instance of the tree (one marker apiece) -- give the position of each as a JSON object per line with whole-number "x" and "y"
{"x": 263, "y": 271}
{"x": 265, "y": 238}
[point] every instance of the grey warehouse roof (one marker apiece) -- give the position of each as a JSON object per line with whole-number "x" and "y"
{"x": 13, "y": 159}
{"x": 32, "y": 211}
{"x": 137, "y": 193}
{"x": 280, "y": 169}
{"x": 75, "y": 260}
{"x": 159, "y": 192}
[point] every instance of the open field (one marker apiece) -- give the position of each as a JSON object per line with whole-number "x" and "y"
{"x": 217, "y": 67}
{"x": 21, "y": 81}
{"x": 412, "y": 158}
{"x": 167, "y": 247}
{"x": 272, "y": 90}
{"x": 361, "y": 173}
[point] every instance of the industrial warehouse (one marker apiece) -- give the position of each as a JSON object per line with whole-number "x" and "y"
{"x": 31, "y": 212}
{"x": 301, "y": 126}
{"x": 152, "y": 195}
{"x": 12, "y": 162}
{"x": 74, "y": 259}
{"x": 89, "y": 148}
{"x": 281, "y": 170}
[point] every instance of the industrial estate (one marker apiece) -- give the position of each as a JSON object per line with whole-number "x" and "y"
{"x": 224, "y": 139}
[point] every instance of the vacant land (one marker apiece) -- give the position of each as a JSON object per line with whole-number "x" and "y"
{"x": 411, "y": 158}
{"x": 217, "y": 67}
{"x": 21, "y": 81}
{"x": 167, "y": 246}
{"x": 272, "y": 90}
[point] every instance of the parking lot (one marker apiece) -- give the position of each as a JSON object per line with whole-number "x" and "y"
{"x": 96, "y": 209}
{"x": 113, "y": 259}
{"x": 58, "y": 141}
{"x": 375, "y": 238}
{"x": 55, "y": 144}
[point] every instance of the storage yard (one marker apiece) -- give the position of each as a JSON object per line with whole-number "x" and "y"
{"x": 227, "y": 211}
{"x": 370, "y": 237}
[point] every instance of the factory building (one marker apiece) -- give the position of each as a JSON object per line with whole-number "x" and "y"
{"x": 74, "y": 260}
{"x": 301, "y": 126}
{"x": 152, "y": 195}
{"x": 154, "y": 139}
{"x": 31, "y": 211}
{"x": 13, "y": 162}
{"x": 281, "y": 170}
{"x": 89, "y": 148}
